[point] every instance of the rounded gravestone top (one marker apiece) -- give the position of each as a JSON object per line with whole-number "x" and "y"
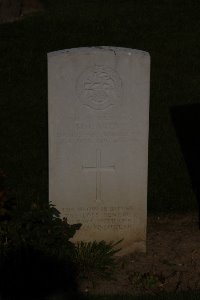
{"x": 115, "y": 50}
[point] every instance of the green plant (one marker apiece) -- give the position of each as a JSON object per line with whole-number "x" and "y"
{"x": 146, "y": 281}
{"x": 150, "y": 281}
{"x": 35, "y": 252}
{"x": 40, "y": 228}
{"x": 96, "y": 259}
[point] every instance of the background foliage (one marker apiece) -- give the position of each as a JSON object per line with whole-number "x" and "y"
{"x": 35, "y": 251}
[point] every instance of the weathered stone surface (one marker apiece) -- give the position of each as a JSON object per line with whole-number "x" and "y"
{"x": 98, "y": 141}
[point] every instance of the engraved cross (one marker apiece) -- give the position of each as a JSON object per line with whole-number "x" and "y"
{"x": 98, "y": 168}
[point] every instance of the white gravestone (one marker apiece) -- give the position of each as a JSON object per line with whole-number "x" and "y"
{"x": 98, "y": 142}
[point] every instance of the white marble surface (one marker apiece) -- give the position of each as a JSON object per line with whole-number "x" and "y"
{"x": 98, "y": 141}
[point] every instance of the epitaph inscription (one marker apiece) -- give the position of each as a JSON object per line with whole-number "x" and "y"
{"x": 104, "y": 217}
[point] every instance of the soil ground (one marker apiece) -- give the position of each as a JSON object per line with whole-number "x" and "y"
{"x": 171, "y": 263}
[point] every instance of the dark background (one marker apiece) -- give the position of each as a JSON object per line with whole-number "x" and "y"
{"x": 168, "y": 30}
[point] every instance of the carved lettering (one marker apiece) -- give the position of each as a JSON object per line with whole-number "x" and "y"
{"x": 101, "y": 218}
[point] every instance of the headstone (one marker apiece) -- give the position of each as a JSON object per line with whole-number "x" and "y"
{"x": 98, "y": 142}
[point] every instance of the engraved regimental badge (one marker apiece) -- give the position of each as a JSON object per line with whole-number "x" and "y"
{"x": 99, "y": 87}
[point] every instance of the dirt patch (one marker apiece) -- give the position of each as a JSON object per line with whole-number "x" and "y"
{"x": 171, "y": 264}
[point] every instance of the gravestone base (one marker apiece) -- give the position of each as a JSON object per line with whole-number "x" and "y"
{"x": 109, "y": 224}
{"x": 127, "y": 247}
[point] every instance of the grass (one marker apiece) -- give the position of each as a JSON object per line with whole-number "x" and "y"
{"x": 96, "y": 259}
{"x": 168, "y": 29}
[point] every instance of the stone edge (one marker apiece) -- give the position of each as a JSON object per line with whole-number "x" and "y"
{"x": 128, "y": 51}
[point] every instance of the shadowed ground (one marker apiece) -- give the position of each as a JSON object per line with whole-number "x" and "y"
{"x": 186, "y": 119}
